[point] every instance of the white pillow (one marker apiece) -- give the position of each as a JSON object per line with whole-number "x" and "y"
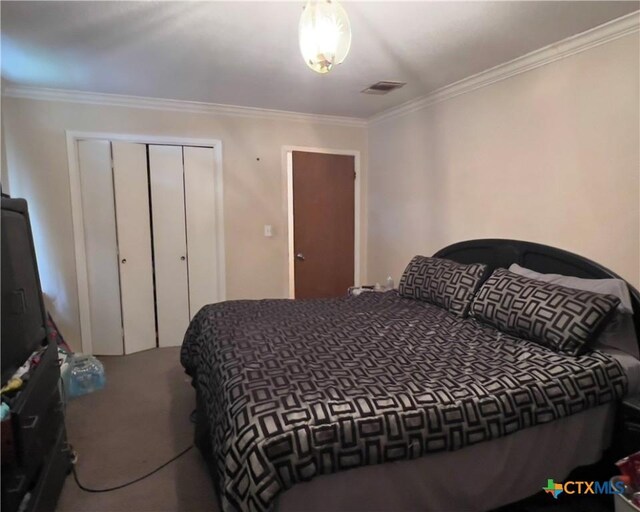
{"x": 620, "y": 332}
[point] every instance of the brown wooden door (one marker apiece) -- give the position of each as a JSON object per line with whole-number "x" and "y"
{"x": 323, "y": 220}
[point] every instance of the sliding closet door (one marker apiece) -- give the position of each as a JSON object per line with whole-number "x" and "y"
{"x": 199, "y": 193}
{"x": 169, "y": 243}
{"x": 101, "y": 247}
{"x": 134, "y": 244}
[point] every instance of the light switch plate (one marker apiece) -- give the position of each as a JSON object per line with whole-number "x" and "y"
{"x": 268, "y": 230}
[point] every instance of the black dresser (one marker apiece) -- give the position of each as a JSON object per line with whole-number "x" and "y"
{"x": 35, "y": 458}
{"x": 35, "y": 455}
{"x": 630, "y": 425}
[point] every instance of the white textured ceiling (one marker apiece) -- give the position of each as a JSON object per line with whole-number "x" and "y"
{"x": 246, "y": 53}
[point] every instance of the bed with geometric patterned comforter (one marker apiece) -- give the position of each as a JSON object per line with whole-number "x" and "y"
{"x": 294, "y": 389}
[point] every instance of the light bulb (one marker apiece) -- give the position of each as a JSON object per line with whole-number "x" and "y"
{"x": 325, "y": 34}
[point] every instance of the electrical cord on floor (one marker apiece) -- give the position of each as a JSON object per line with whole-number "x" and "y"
{"x": 127, "y": 484}
{"x": 74, "y": 458}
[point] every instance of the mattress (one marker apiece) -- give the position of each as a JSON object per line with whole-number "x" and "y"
{"x": 473, "y": 479}
{"x": 296, "y": 389}
{"x": 511, "y": 468}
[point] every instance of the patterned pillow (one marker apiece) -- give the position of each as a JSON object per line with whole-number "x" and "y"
{"x": 444, "y": 283}
{"x": 561, "y": 318}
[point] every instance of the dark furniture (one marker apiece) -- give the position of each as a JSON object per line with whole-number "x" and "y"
{"x": 496, "y": 253}
{"x": 41, "y": 458}
{"x": 23, "y": 314}
{"x": 527, "y": 477}
{"x": 35, "y": 454}
{"x": 541, "y": 258}
{"x": 629, "y": 429}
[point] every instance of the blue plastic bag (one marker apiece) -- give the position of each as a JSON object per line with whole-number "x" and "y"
{"x": 86, "y": 375}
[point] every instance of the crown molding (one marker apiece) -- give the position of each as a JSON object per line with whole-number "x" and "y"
{"x": 193, "y": 107}
{"x": 620, "y": 27}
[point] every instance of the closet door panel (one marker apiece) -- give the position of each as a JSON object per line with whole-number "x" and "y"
{"x": 169, "y": 243}
{"x": 101, "y": 247}
{"x": 200, "y": 210}
{"x": 134, "y": 244}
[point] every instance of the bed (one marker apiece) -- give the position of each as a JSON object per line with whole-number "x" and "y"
{"x": 381, "y": 402}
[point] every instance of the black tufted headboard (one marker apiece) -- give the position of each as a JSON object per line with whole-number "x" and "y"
{"x": 498, "y": 253}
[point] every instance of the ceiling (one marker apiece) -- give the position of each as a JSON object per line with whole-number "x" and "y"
{"x": 246, "y": 53}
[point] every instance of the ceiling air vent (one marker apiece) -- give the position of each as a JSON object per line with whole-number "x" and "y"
{"x": 383, "y": 87}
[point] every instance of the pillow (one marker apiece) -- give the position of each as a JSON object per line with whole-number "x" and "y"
{"x": 561, "y": 318}
{"x": 616, "y": 287}
{"x": 620, "y": 332}
{"x": 442, "y": 282}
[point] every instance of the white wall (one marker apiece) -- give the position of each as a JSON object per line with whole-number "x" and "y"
{"x": 550, "y": 156}
{"x": 254, "y": 191}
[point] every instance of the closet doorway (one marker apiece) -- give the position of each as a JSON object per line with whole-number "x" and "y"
{"x": 148, "y": 237}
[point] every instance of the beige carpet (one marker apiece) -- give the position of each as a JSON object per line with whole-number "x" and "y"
{"x": 139, "y": 421}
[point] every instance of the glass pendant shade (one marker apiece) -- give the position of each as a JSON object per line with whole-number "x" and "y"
{"x": 325, "y": 34}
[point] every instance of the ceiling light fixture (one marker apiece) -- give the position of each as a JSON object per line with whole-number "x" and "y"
{"x": 325, "y": 34}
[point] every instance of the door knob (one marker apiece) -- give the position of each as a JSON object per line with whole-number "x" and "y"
{"x": 182, "y": 258}
{"x": 124, "y": 260}
{"x": 300, "y": 256}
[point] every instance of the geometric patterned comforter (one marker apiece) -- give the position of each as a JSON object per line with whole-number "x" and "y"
{"x": 295, "y": 389}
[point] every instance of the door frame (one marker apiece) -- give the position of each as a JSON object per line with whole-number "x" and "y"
{"x": 73, "y": 137}
{"x": 287, "y": 165}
